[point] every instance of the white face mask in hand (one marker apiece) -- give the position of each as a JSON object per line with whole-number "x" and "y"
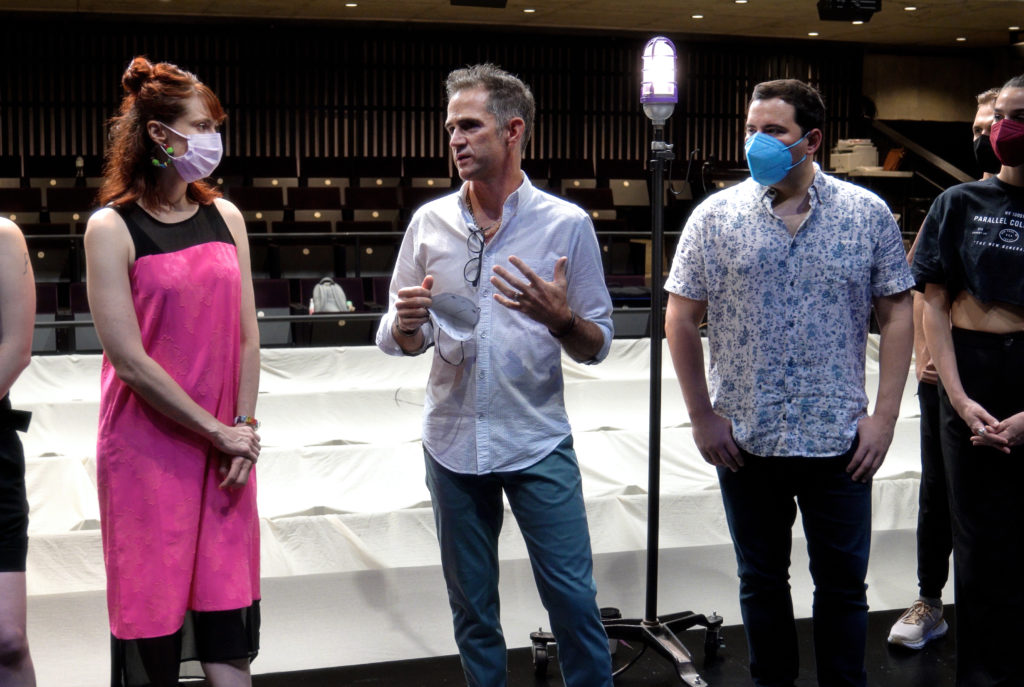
{"x": 455, "y": 315}
{"x": 202, "y": 157}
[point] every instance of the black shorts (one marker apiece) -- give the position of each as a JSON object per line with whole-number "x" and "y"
{"x": 13, "y": 503}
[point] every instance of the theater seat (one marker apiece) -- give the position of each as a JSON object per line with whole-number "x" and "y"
{"x": 370, "y": 203}
{"x": 85, "y": 338}
{"x": 258, "y": 203}
{"x": 426, "y": 172}
{"x": 44, "y": 340}
{"x": 303, "y": 250}
{"x": 598, "y": 202}
{"x": 21, "y": 204}
{"x": 272, "y": 298}
{"x": 315, "y": 203}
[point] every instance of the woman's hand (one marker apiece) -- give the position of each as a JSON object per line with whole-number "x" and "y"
{"x": 1002, "y": 435}
{"x": 977, "y": 418}
{"x": 235, "y": 470}
{"x": 240, "y": 449}
{"x": 240, "y": 440}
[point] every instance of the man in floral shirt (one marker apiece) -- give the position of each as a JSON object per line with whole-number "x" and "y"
{"x": 787, "y": 266}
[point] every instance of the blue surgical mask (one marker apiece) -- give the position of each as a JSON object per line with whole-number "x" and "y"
{"x": 768, "y": 158}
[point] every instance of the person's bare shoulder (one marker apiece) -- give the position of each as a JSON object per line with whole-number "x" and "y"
{"x": 227, "y": 208}
{"x": 7, "y": 227}
{"x": 104, "y": 223}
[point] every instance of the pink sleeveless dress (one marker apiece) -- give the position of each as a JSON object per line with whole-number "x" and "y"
{"x": 173, "y": 541}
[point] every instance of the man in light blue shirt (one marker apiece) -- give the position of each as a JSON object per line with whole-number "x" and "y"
{"x": 500, "y": 278}
{"x": 787, "y": 266}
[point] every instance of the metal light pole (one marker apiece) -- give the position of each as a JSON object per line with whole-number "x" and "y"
{"x": 659, "y": 95}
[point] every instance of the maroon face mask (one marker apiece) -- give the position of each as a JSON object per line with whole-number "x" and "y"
{"x": 1008, "y": 142}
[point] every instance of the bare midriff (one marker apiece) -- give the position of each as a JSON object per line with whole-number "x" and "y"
{"x": 967, "y": 312}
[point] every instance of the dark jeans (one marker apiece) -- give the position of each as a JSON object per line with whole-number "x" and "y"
{"x": 934, "y": 533}
{"x": 547, "y": 502}
{"x": 760, "y": 503}
{"x": 987, "y": 511}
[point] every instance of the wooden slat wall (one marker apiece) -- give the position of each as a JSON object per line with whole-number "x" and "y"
{"x": 348, "y": 91}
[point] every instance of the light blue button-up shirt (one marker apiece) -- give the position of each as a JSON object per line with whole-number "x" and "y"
{"x": 495, "y": 403}
{"x": 788, "y": 315}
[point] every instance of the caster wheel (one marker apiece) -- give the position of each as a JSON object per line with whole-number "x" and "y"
{"x": 540, "y": 660}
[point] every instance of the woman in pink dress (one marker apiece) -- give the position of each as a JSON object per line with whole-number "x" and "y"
{"x": 170, "y": 289}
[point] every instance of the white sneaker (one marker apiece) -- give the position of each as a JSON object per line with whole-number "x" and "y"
{"x": 918, "y": 625}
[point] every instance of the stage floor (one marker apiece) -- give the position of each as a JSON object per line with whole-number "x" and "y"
{"x": 932, "y": 666}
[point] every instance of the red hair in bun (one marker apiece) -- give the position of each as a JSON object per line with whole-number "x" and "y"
{"x": 152, "y": 92}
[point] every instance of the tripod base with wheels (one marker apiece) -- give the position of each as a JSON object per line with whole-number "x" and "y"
{"x": 661, "y": 636}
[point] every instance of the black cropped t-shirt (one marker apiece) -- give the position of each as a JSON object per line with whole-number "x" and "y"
{"x": 973, "y": 240}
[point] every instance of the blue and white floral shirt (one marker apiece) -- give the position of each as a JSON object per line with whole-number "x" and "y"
{"x": 788, "y": 315}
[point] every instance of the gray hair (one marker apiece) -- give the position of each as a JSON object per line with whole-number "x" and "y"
{"x": 988, "y": 97}
{"x": 507, "y": 96}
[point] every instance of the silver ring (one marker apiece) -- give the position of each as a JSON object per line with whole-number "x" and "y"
{"x": 981, "y": 431}
{"x": 516, "y": 296}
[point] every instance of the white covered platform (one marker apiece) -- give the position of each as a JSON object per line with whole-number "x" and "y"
{"x": 350, "y": 563}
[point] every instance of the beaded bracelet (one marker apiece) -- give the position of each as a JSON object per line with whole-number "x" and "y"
{"x": 247, "y": 420}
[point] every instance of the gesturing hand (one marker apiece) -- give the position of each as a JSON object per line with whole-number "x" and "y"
{"x": 542, "y": 301}
{"x": 412, "y": 304}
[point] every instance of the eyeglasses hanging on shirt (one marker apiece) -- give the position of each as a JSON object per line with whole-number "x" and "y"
{"x": 475, "y": 246}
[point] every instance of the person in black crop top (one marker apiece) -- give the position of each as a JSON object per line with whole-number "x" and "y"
{"x": 970, "y": 264}
{"x": 170, "y": 289}
{"x": 923, "y": 620}
{"x": 17, "y": 315}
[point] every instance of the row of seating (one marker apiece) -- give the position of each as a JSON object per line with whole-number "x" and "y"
{"x": 60, "y": 305}
{"x": 393, "y": 204}
{"x": 298, "y": 250}
{"x": 286, "y": 171}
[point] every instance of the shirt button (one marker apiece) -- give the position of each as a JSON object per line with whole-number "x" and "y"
{"x": 480, "y": 416}
{"x": 483, "y": 335}
{"x": 480, "y": 374}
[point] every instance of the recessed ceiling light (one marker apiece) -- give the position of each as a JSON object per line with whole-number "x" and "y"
{"x": 961, "y": 39}
{"x": 696, "y": 16}
{"x": 857, "y": 23}
{"x": 812, "y": 33}
{"x": 529, "y": 10}
{"x": 1014, "y": 28}
{"x": 351, "y": 4}
{"x": 910, "y": 8}
{"x": 741, "y": 2}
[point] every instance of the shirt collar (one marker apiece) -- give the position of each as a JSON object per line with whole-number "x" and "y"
{"x": 518, "y": 198}
{"x": 819, "y": 190}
